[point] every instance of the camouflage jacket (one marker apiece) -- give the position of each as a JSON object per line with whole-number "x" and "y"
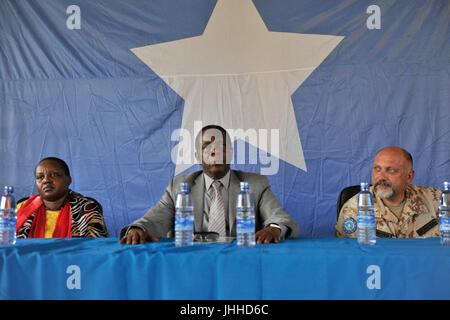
{"x": 419, "y": 218}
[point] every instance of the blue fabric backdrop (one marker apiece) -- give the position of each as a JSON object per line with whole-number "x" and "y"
{"x": 83, "y": 96}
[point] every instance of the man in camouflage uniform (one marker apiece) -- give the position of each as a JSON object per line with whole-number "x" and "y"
{"x": 402, "y": 210}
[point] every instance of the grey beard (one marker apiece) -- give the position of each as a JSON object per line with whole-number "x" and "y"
{"x": 384, "y": 195}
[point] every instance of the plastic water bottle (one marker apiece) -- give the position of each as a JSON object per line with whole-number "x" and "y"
{"x": 245, "y": 217}
{"x": 184, "y": 217}
{"x": 8, "y": 217}
{"x": 366, "y": 216}
{"x": 444, "y": 215}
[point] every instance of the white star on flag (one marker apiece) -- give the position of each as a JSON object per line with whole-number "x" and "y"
{"x": 239, "y": 75}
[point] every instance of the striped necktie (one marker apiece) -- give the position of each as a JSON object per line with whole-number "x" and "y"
{"x": 217, "y": 211}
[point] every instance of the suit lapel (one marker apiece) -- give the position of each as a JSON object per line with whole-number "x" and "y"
{"x": 233, "y": 191}
{"x": 197, "y": 199}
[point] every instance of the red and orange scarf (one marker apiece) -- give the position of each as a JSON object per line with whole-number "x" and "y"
{"x": 33, "y": 205}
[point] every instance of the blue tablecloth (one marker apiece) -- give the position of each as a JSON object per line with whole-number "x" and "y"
{"x": 293, "y": 269}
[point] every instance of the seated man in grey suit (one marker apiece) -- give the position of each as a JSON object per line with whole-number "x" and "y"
{"x": 272, "y": 223}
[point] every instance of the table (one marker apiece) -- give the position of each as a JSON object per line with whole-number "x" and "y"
{"x": 329, "y": 268}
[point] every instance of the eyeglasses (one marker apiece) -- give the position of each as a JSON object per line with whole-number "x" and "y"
{"x": 206, "y": 236}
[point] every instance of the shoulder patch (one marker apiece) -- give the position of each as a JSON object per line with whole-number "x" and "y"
{"x": 349, "y": 225}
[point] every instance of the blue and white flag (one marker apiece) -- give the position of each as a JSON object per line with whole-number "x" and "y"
{"x": 309, "y": 91}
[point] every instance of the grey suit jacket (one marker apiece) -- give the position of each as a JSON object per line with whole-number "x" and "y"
{"x": 158, "y": 221}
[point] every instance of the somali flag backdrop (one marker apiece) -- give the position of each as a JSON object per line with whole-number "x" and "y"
{"x": 107, "y": 86}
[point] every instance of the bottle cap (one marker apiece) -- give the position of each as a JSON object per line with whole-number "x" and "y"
{"x": 446, "y": 185}
{"x": 364, "y": 186}
{"x": 244, "y": 185}
{"x": 184, "y": 186}
{"x": 8, "y": 189}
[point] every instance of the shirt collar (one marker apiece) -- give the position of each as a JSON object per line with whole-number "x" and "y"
{"x": 225, "y": 180}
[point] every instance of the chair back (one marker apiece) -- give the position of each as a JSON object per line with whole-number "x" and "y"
{"x": 345, "y": 195}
